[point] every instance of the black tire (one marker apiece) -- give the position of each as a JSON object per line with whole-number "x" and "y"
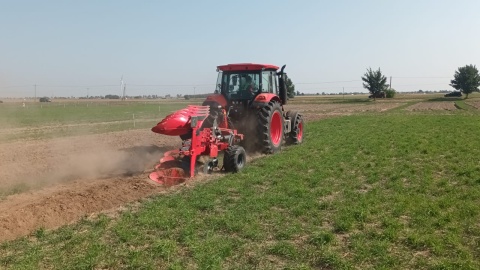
{"x": 234, "y": 158}
{"x": 297, "y": 129}
{"x": 270, "y": 134}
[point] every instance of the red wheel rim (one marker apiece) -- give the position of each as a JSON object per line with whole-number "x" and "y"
{"x": 300, "y": 132}
{"x": 276, "y": 128}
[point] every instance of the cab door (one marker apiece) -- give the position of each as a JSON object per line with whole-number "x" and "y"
{"x": 269, "y": 82}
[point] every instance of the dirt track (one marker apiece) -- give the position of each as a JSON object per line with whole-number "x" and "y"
{"x": 58, "y": 181}
{"x": 68, "y": 178}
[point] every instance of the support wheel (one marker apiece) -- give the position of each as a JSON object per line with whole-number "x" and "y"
{"x": 270, "y": 127}
{"x": 234, "y": 158}
{"x": 296, "y": 134}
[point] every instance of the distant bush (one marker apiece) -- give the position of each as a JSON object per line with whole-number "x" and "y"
{"x": 390, "y": 93}
{"x": 112, "y": 97}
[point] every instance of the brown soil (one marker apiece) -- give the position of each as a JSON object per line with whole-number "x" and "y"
{"x": 67, "y": 178}
{"x": 432, "y": 106}
{"x": 475, "y": 104}
{"x": 52, "y": 182}
{"x": 321, "y": 111}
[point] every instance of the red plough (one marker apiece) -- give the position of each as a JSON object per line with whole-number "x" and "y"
{"x": 203, "y": 134}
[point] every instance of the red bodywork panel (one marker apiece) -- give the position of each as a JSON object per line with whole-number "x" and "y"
{"x": 246, "y": 66}
{"x": 174, "y": 124}
{"x": 178, "y": 123}
{"x": 266, "y": 97}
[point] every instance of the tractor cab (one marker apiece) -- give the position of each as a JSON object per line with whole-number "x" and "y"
{"x": 241, "y": 83}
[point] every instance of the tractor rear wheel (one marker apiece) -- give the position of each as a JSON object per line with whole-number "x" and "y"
{"x": 296, "y": 133}
{"x": 234, "y": 158}
{"x": 270, "y": 127}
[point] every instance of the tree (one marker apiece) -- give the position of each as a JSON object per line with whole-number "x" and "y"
{"x": 466, "y": 79}
{"x": 390, "y": 93}
{"x": 375, "y": 82}
{"x": 290, "y": 88}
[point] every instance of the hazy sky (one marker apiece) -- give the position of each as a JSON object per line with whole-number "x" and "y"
{"x": 84, "y": 47}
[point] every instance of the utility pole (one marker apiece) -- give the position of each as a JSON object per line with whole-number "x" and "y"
{"x": 194, "y": 92}
{"x": 35, "y": 93}
{"x": 390, "y": 82}
{"x": 87, "y": 92}
{"x": 343, "y": 92}
{"x": 122, "y": 88}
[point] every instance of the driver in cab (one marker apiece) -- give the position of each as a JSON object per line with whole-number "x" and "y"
{"x": 246, "y": 84}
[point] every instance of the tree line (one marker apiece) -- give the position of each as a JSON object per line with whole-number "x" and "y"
{"x": 466, "y": 80}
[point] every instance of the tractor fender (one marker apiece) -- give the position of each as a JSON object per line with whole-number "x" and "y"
{"x": 263, "y": 99}
{"x": 215, "y": 99}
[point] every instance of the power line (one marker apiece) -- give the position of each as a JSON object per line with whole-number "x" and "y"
{"x": 64, "y": 86}
{"x": 171, "y": 85}
{"x": 330, "y": 82}
{"x": 199, "y": 85}
{"x": 310, "y": 86}
{"x": 16, "y": 86}
{"x": 422, "y": 77}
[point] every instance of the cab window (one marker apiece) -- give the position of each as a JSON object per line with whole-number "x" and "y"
{"x": 267, "y": 82}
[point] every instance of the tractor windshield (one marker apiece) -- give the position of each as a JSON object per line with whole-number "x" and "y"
{"x": 240, "y": 85}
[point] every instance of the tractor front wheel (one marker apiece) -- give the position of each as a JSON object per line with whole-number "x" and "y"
{"x": 234, "y": 158}
{"x": 270, "y": 127}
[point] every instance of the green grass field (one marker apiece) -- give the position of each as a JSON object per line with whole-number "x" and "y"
{"x": 370, "y": 191}
{"x": 60, "y": 119}
{"x": 61, "y": 113}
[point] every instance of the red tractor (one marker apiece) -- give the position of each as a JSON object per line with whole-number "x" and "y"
{"x": 246, "y": 110}
{"x": 254, "y": 95}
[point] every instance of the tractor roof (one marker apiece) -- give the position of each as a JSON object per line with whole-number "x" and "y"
{"x": 246, "y": 66}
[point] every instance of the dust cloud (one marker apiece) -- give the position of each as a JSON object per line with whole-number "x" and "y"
{"x": 105, "y": 163}
{"x": 27, "y": 165}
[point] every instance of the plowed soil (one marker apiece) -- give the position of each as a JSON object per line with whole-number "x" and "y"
{"x": 475, "y": 104}
{"x": 432, "y": 106}
{"x": 321, "y": 111}
{"x": 58, "y": 181}
{"x": 50, "y": 183}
